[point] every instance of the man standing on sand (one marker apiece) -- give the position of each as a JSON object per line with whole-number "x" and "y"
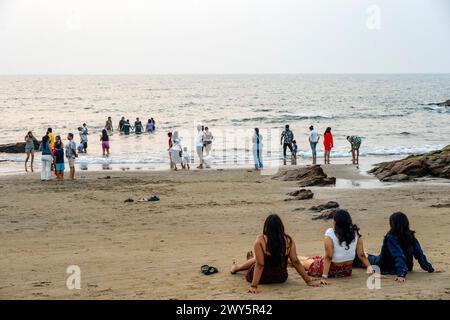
{"x": 287, "y": 136}
{"x": 71, "y": 154}
{"x": 199, "y": 145}
{"x": 313, "y": 140}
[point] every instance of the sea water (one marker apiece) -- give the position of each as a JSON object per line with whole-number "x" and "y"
{"x": 390, "y": 113}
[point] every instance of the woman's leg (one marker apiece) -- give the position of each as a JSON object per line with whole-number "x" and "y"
{"x": 357, "y": 156}
{"x": 306, "y": 262}
{"x": 26, "y": 160}
{"x": 32, "y": 161}
{"x": 240, "y": 267}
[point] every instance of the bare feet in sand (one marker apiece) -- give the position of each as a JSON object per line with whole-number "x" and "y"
{"x": 233, "y": 268}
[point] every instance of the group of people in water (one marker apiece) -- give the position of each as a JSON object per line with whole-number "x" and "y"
{"x": 274, "y": 250}
{"x": 126, "y": 128}
{"x": 287, "y": 141}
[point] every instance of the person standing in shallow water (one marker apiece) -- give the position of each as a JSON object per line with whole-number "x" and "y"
{"x": 137, "y": 126}
{"x": 109, "y": 125}
{"x": 29, "y": 150}
{"x": 355, "y": 143}
{"x": 257, "y": 149}
{"x": 170, "y": 144}
{"x": 199, "y": 145}
{"x": 313, "y": 141}
{"x": 287, "y": 136}
{"x": 327, "y": 144}
{"x": 105, "y": 142}
{"x": 121, "y": 123}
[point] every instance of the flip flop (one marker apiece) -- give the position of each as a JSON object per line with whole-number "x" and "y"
{"x": 152, "y": 199}
{"x": 207, "y": 270}
{"x": 129, "y": 200}
{"x": 143, "y": 200}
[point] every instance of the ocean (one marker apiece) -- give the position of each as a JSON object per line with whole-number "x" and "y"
{"x": 390, "y": 113}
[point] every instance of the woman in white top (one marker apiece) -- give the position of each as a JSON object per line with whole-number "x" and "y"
{"x": 343, "y": 244}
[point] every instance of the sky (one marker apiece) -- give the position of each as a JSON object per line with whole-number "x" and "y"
{"x": 224, "y": 36}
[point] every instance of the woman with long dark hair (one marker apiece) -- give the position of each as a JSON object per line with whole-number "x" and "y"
{"x": 343, "y": 244}
{"x": 399, "y": 247}
{"x": 327, "y": 144}
{"x": 29, "y": 149}
{"x": 104, "y": 138}
{"x": 272, "y": 250}
{"x": 46, "y": 158}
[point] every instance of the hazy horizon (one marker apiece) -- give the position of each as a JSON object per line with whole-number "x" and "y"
{"x": 185, "y": 37}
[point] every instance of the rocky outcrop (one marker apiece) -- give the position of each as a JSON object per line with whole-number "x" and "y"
{"x": 433, "y": 164}
{"x": 18, "y": 147}
{"x": 326, "y": 214}
{"x": 441, "y": 104}
{"x": 302, "y": 194}
{"x": 328, "y": 205}
{"x": 306, "y": 176}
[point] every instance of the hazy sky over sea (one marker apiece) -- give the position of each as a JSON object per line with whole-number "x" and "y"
{"x": 224, "y": 36}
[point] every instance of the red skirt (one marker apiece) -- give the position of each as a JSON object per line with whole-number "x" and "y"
{"x": 316, "y": 269}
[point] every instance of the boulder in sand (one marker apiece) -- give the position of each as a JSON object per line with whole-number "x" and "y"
{"x": 302, "y": 194}
{"x": 326, "y": 214}
{"x": 433, "y": 164}
{"x": 307, "y": 176}
{"x": 328, "y": 205}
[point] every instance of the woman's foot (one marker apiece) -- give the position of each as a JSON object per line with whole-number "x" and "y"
{"x": 234, "y": 268}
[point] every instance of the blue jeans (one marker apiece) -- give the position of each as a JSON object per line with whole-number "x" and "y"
{"x": 257, "y": 156}
{"x": 313, "y": 147}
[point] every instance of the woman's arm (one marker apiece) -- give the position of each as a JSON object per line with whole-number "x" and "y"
{"x": 259, "y": 265}
{"x": 399, "y": 257}
{"x": 329, "y": 250}
{"x": 362, "y": 255}
{"x": 299, "y": 267}
{"x": 421, "y": 258}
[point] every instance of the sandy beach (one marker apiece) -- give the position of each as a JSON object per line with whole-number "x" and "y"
{"x": 155, "y": 250}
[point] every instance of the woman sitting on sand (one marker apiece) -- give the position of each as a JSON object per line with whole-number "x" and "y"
{"x": 342, "y": 244}
{"x": 273, "y": 248}
{"x": 399, "y": 247}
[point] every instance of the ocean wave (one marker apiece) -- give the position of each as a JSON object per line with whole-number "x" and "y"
{"x": 438, "y": 109}
{"x": 282, "y": 119}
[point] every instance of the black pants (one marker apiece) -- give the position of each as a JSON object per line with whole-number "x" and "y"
{"x": 285, "y": 146}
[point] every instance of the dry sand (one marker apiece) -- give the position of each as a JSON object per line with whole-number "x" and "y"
{"x": 155, "y": 250}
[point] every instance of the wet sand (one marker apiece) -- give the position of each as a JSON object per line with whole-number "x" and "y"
{"x": 155, "y": 250}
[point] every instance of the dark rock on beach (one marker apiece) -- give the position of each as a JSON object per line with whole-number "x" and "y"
{"x": 441, "y": 104}
{"x": 432, "y": 164}
{"x": 326, "y": 214}
{"x": 18, "y": 147}
{"x": 302, "y": 194}
{"x": 306, "y": 176}
{"x": 328, "y": 205}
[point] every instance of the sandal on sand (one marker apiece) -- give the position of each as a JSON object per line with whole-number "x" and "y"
{"x": 207, "y": 270}
{"x": 154, "y": 198}
{"x": 129, "y": 200}
{"x": 143, "y": 200}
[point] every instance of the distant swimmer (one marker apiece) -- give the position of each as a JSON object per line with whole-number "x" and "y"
{"x": 138, "y": 126}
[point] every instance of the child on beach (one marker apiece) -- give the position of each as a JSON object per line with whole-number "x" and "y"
{"x": 186, "y": 156}
{"x": 105, "y": 142}
{"x": 59, "y": 161}
{"x": 294, "y": 152}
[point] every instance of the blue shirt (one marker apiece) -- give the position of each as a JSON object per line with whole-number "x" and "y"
{"x": 393, "y": 259}
{"x": 126, "y": 128}
{"x": 59, "y": 155}
{"x": 45, "y": 148}
{"x": 288, "y": 136}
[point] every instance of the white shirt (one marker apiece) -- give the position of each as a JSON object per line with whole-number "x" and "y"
{"x": 313, "y": 136}
{"x": 340, "y": 252}
{"x": 199, "y": 139}
{"x": 186, "y": 156}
